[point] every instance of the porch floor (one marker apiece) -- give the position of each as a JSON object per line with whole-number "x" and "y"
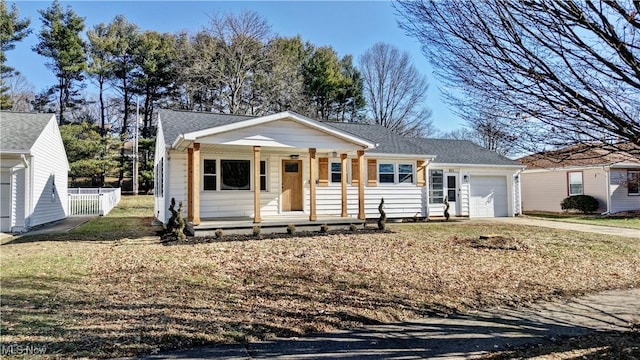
{"x": 272, "y": 224}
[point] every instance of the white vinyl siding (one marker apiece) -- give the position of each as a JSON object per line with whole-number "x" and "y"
{"x": 50, "y": 165}
{"x": 620, "y": 198}
{"x": 161, "y": 163}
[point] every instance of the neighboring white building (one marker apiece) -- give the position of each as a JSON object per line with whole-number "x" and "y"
{"x": 612, "y": 178}
{"x": 33, "y": 171}
{"x": 223, "y": 166}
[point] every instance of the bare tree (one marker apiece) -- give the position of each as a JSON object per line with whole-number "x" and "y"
{"x": 240, "y": 43}
{"x": 20, "y": 91}
{"x": 562, "y": 72}
{"x": 395, "y": 91}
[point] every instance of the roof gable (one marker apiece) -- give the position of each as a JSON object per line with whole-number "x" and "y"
{"x": 19, "y": 131}
{"x": 212, "y": 124}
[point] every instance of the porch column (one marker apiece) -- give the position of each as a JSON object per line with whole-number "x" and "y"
{"x": 343, "y": 178}
{"x": 196, "y": 184}
{"x": 361, "y": 215}
{"x": 190, "y": 184}
{"x": 256, "y": 185}
{"x": 312, "y": 184}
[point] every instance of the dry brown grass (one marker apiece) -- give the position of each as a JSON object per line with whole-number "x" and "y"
{"x": 131, "y": 297}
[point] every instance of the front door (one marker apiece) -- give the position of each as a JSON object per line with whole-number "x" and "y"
{"x": 451, "y": 192}
{"x": 291, "y": 185}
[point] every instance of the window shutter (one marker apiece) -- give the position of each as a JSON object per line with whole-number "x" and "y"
{"x": 421, "y": 173}
{"x": 372, "y": 172}
{"x": 355, "y": 173}
{"x": 323, "y": 171}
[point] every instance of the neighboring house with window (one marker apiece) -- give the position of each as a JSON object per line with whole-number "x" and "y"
{"x": 223, "y": 166}
{"x": 33, "y": 171}
{"x": 613, "y": 178}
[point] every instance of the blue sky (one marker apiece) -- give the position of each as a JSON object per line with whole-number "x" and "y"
{"x": 349, "y": 27}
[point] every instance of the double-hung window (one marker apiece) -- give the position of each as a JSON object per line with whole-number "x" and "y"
{"x": 436, "y": 186}
{"x": 210, "y": 175}
{"x": 575, "y": 183}
{"x": 336, "y": 172}
{"x": 405, "y": 173}
{"x": 263, "y": 175}
{"x": 633, "y": 182}
{"x": 386, "y": 173}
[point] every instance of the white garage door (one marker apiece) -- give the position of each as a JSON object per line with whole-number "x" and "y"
{"x": 5, "y": 201}
{"x": 489, "y": 196}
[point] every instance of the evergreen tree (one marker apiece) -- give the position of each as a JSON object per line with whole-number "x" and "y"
{"x": 60, "y": 41}
{"x": 12, "y": 30}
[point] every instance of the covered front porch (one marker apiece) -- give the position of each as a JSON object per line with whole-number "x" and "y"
{"x": 271, "y": 170}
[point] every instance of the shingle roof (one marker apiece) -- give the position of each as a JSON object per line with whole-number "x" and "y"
{"x": 578, "y": 155}
{"x": 446, "y": 151}
{"x": 450, "y": 151}
{"x": 387, "y": 142}
{"x": 175, "y": 123}
{"x": 19, "y": 131}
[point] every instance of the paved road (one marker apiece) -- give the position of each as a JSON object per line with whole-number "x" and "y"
{"x": 598, "y": 229}
{"x": 456, "y": 337}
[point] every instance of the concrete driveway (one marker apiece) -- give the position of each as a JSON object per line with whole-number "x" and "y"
{"x": 598, "y": 229}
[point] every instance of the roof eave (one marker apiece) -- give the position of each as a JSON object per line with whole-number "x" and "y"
{"x": 514, "y": 166}
{"x": 15, "y": 152}
{"x": 396, "y": 155}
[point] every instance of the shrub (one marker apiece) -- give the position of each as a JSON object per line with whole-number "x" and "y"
{"x": 324, "y": 228}
{"x": 585, "y": 203}
{"x": 382, "y": 221}
{"x": 219, "y": 234}
{"x": 446, "y": 208}
{"x": 291, "y": 229}
{"x": 353, "y": 227}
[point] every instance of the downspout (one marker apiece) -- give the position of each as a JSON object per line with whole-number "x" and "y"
{"x": 607, "y": 170}
{"x": 519, "y": 190}
{"x": 28, "y": 207}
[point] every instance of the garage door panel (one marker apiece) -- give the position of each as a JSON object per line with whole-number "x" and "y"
{"x": 5, "y": 201}
{"x": 489, "y": 196}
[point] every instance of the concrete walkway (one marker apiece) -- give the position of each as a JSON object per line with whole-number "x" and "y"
{"x": 455, "y": 337}
{"x": 56, "y": 227}
{"x": 598, "y": 229}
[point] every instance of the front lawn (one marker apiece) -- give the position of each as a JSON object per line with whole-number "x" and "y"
{"x": 128, "y": 297}
{"x": 632, "y": 222}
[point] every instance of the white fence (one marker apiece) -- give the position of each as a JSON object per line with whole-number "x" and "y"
{"x": 92, "y": 201}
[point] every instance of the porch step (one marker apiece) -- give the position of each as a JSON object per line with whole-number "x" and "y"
{"x": 276, "y": 225}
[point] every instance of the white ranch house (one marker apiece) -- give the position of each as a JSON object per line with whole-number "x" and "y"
{"x": 33, "y": 171}
{"x": 285, "y": 164}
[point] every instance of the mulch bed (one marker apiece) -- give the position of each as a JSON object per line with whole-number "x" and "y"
{"x": 169, "y": 239}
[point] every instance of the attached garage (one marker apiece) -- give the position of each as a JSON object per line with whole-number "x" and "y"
{"x": 32, "y": 155}
{"x": 489, "y": 196}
